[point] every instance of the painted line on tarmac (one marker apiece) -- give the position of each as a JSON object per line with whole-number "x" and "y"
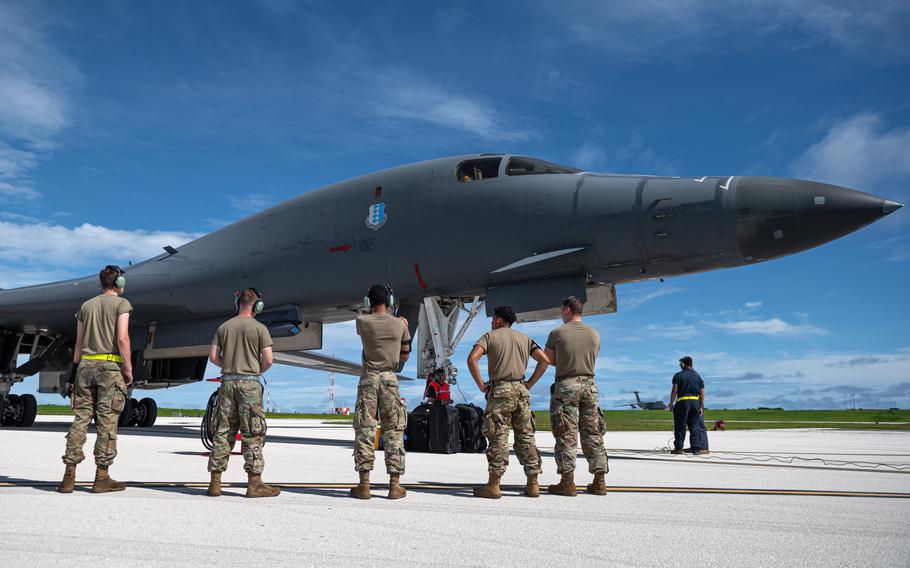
{"x": 717, "y": 458}
{"x": 468, "y": 486}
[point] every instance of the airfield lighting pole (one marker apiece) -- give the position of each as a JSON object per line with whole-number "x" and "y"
{"x": 332, "y": 391}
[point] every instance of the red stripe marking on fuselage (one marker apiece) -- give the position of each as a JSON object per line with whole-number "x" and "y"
{"x": 419, "y": 277}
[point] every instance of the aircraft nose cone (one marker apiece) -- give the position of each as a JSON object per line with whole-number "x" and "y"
{"x": 776, "y": 217}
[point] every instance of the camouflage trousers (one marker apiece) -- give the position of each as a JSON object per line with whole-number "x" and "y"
{"x": 574, "y": 410}
{"x": 239, "y": 408}
{"x": 99, "y": 392}
{"x": 509, "y": 406}
{"x": 379, "y": 391}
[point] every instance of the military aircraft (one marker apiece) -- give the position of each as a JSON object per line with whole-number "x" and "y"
{"x": 653, "y": 405}
{"x": 482, "y": 229}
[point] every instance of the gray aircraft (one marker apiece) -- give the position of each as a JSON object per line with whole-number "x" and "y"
{"x": 645, "y": 405}
{"x": 446, "y": 234}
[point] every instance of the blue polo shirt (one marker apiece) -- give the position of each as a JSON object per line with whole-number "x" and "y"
{"x": 688, "y": 382}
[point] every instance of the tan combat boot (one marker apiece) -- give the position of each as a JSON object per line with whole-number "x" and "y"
{"x": 104, "y": 483}
{"x": 598, "y": 486}
{"x": 69, "y": 480}
{"x": 256, "y": 488}
{"x": 396, "y": 491}
{"x": 532, "y": 488}
{"x": 215, "y": 485}
{"x": 362, "y": 489}
{"x": 491, "y": 489}
{"x": 565, "y": 487}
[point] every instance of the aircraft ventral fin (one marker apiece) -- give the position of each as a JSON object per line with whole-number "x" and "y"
{"x": 537, "y": 258}
{"x": 320, "y": 362}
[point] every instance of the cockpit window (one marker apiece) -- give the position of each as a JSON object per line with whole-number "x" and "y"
{"x": 475, "y": 170}
{"x": 521, "y": 166}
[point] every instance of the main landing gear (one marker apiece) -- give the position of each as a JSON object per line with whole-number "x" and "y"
{"x": 439, "y": 334}
{"x": 18, "y": 410}
{"x": 142, "y": 413}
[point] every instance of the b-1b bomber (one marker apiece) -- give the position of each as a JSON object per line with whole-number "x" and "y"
{"x": 449, "y": 235}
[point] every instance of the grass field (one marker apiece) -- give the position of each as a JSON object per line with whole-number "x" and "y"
{"x": 657, "y": 420}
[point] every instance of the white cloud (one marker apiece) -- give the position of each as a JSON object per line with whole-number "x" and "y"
{"x": 675, "y": 331}
{"x": 18, "y": 190}
{"x": 822, "y": 369}
{"x": 752, "y": 305}
{"x": 404, "y": 96}
{"x": 661, "y": 28}
{"x": 590, "y": 157}
{"x": 773, "y": 326}
{"x": 896, "y": 249}
{"x": 858, "y": 152}
{"x": 35, "y": 82}
{"x": 250, "y": 203}
{"x": 32, "y": 253}
{"x": 638, "y": 300}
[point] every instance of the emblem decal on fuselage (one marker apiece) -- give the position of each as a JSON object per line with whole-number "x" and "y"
{"x": 376, "y": 216}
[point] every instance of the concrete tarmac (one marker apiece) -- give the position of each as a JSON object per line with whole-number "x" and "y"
{"x": 762, "y": 498}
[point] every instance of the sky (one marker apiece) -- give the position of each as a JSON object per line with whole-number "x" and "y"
{"x": 127, "y": 126}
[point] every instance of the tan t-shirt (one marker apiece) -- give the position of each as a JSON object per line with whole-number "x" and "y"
{"x": 382, "y": 336}
{"x": 576, "y": 345}
{"x": 99, "y": 316}
{"x": 507, "y": 353}
{"x": 241, "y": 341}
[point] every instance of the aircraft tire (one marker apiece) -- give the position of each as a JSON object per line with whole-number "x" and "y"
{"x": 137, "y": 413}
{"x": 125, "y": 414}
{"x": 151, "y": 412}
{"x": 12, "y": 411}
{"x": 29, "y": 410}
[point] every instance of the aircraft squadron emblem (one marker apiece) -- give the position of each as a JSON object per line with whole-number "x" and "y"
{"x": 376, "y": 217}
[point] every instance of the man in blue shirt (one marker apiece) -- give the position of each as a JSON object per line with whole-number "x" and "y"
{"x": 689, "y": 396}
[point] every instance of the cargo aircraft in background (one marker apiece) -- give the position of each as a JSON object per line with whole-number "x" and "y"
{"x": 450, "y": 235}
{"x": 645, "y": 405}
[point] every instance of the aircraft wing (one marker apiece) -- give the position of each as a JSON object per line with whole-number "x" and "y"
{"x": 321, "y": 362}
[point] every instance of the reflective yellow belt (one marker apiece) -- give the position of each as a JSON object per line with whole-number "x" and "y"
{"x": 686, "y": 398}
{"x": 104, "y": 357}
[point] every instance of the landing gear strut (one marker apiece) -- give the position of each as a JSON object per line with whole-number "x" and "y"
{"x": 439, "y": 333}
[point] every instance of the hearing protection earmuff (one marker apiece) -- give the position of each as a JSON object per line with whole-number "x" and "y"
{"x": 368, "y": 305}
{"x": 258, "y": 305}
{"x": 120, "y": 281}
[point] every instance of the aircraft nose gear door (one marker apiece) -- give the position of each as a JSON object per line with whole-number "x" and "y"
{"x": 438, "y": 333}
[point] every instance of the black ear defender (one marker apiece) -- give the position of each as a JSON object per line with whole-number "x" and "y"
{"x": 120, "y": 281}
{"x": 368, "y": 305}
{"x": 258, "y": 305}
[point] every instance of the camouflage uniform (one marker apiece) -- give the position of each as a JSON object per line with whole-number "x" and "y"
{"x": 509, "y": 405}
{"x": 574, "y": 409}
{"x": 239, "y": 407}
{"x": 99, "y": 391}
{"x": 379, "y": 390}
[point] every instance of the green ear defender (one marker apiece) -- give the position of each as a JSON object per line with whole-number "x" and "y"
{"x": 258, "y": 305}
{"x": 368, "y": 305}
{"x": 120, "y": 281}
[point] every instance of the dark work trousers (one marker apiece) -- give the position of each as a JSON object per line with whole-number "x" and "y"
{"x": 686, "y": 415}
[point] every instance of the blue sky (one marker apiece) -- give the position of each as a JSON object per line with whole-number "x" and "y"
{"x": 125, "y": 126}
